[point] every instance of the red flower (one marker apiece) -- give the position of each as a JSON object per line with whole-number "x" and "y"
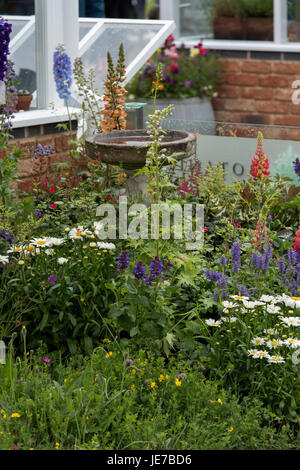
{"x": 260, "y": 162}
{"x": 52, "y": 190}
{"x": 296, "y": 244}
{"x": 53, "y": 206}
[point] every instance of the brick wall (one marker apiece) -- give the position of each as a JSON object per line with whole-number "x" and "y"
{"x": 39, "y": 170}
{"x": 258, "y": 92}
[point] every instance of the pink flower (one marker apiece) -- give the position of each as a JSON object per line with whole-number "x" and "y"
{"x": 15, "y": 448}
{"x": 46, "y": 359}
{"x": 172, "y": 52}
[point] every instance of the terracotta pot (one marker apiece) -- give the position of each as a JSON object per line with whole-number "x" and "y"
{"x": 251, "y": 29}
{"x": 24, "y": 102}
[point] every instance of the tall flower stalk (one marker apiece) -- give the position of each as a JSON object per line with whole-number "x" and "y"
{"x": 5, "y": 31}
{"x": 260, "y": 162}
{"x": 62, "y": 70}
{"x": 114, "y": 113}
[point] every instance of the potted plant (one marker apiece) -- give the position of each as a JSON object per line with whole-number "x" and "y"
{"x": 242, "y": 19}
{"x": 189, "y": 80}
{"x": 24, "y": 100}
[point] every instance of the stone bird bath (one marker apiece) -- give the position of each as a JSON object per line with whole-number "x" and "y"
{"x": 128, "y": 149}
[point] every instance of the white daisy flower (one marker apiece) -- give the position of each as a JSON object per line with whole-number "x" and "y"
{"x": 274, "y": 343}
{"x": 262, "y": 355}
{"x": 106, "y": 246}
{"x": 229, "y": 319}
{"x": 257, "y": 341}
{"x": 256, "y": 354}
{"x": 267, "y": 298}
{"x": 227, "y": 304}
{"x": 273, "y": 309}
{"x": 16, "y": 249}
{"x": 275, "y": 359}
{"x": 211, "y": 322}
{"x": 4, "y": 259}
{"x": 62, "y": 260}
{"x": 49, "y": 251}
{"x": 239, "y": 297}
{"x": 291, "y": 321}
{"x": 79, "y": 233}
{"x": 249, "y": 305}
{"x": 41, "y": 242}
{"x": 271, "y": 331}
{"x": 57, "y": 241}
{"x": 292, "y": 343}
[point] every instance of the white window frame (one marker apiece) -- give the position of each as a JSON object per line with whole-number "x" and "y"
{"x": 55, "y": 22}
{"x": 170, "y": 9}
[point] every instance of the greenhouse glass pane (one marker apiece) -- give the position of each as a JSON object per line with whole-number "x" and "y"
{"x": 17, "y": 25}
{"x": 135, "y": 37}
{"x": 229, "y": 20}
{"x": 25, "y": 64}
{"x": 84, "y": 28}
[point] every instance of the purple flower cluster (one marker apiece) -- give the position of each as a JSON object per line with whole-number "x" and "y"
{"x": 52, "y": 279}
{"x": 289, "y": 271}
{"x": 62, "y": 69}
{"x": 262, "y": 262}
{"x": 7, "y": 236}
{"x": 236, "y": 256}
{"x": 5, "y": 31}
{"x": 222, "y": 280}
{"x": 139, "y": 270}
{"x": 123, "y": 260}
{"x": 296, "y": 164}
{"x": 223, "y": 261}
{"x": 43, "y": 151}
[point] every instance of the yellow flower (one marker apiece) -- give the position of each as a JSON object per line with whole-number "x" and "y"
{"x": 178, "y": 382}
{"x": 231, "y": 429}
{"x": 220, "y": 401}
{"x": 161, "y": 378}
{"x": 106, "y": 340}
{"x": 57, "y": 444}
{"x": 153, "y": 385}
{"x": 108, "y": 354}
{"x": 194, "y": 52}
{"x": 132, "y": 386}
{"x": 15, "y": 415}
{"x": 93, "y": 244}
{"x": 3, "y": 414}
{"x": 29, "y": 248}
{"x": 133, "y": 371}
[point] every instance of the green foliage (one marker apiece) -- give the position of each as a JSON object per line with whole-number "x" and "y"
{"x": 102, "y": 403}
{"x": 241, "y": 8}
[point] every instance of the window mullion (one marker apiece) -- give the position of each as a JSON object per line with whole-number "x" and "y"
{"x": 280, "y": 21}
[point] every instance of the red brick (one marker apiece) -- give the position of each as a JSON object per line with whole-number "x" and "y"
{"x": 283, "y": 94}
{"x": 26, "y": 185}
{"x": 240, "y": 105}
{"x": 227, "y": 91}
{"x": 287, "y": 68}
{"x": 240, "y": 79}
{"x": 287, "y": 121}
{"x": 256, "y": 66}
{"x": 295, "y": 108}
{"x": 230, "y": 65}
{"x": 218, "y": 104}
{"x": 273, "y": 81}
{"x": 276, "y": 107}
{"x": 256, "y": 93}
{"x": 58, "y": 144}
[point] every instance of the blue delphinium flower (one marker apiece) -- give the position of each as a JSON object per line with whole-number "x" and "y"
{"x": 213, "y": 276}
{"x": 123, "y": 260}
{"x": 236, "y": 256}
{"x": 156, "y": 268}
{"x": 62, "y": 69}
{"x": 43, "y": 151}
{"x": 52, "y": 279}
{"x": 223, "y": 261}
{"x": 7, "y": 236}
{"x": 5, "y": 31}
{"x": 296, "y": 164}
{"x": 139, "y": 270}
